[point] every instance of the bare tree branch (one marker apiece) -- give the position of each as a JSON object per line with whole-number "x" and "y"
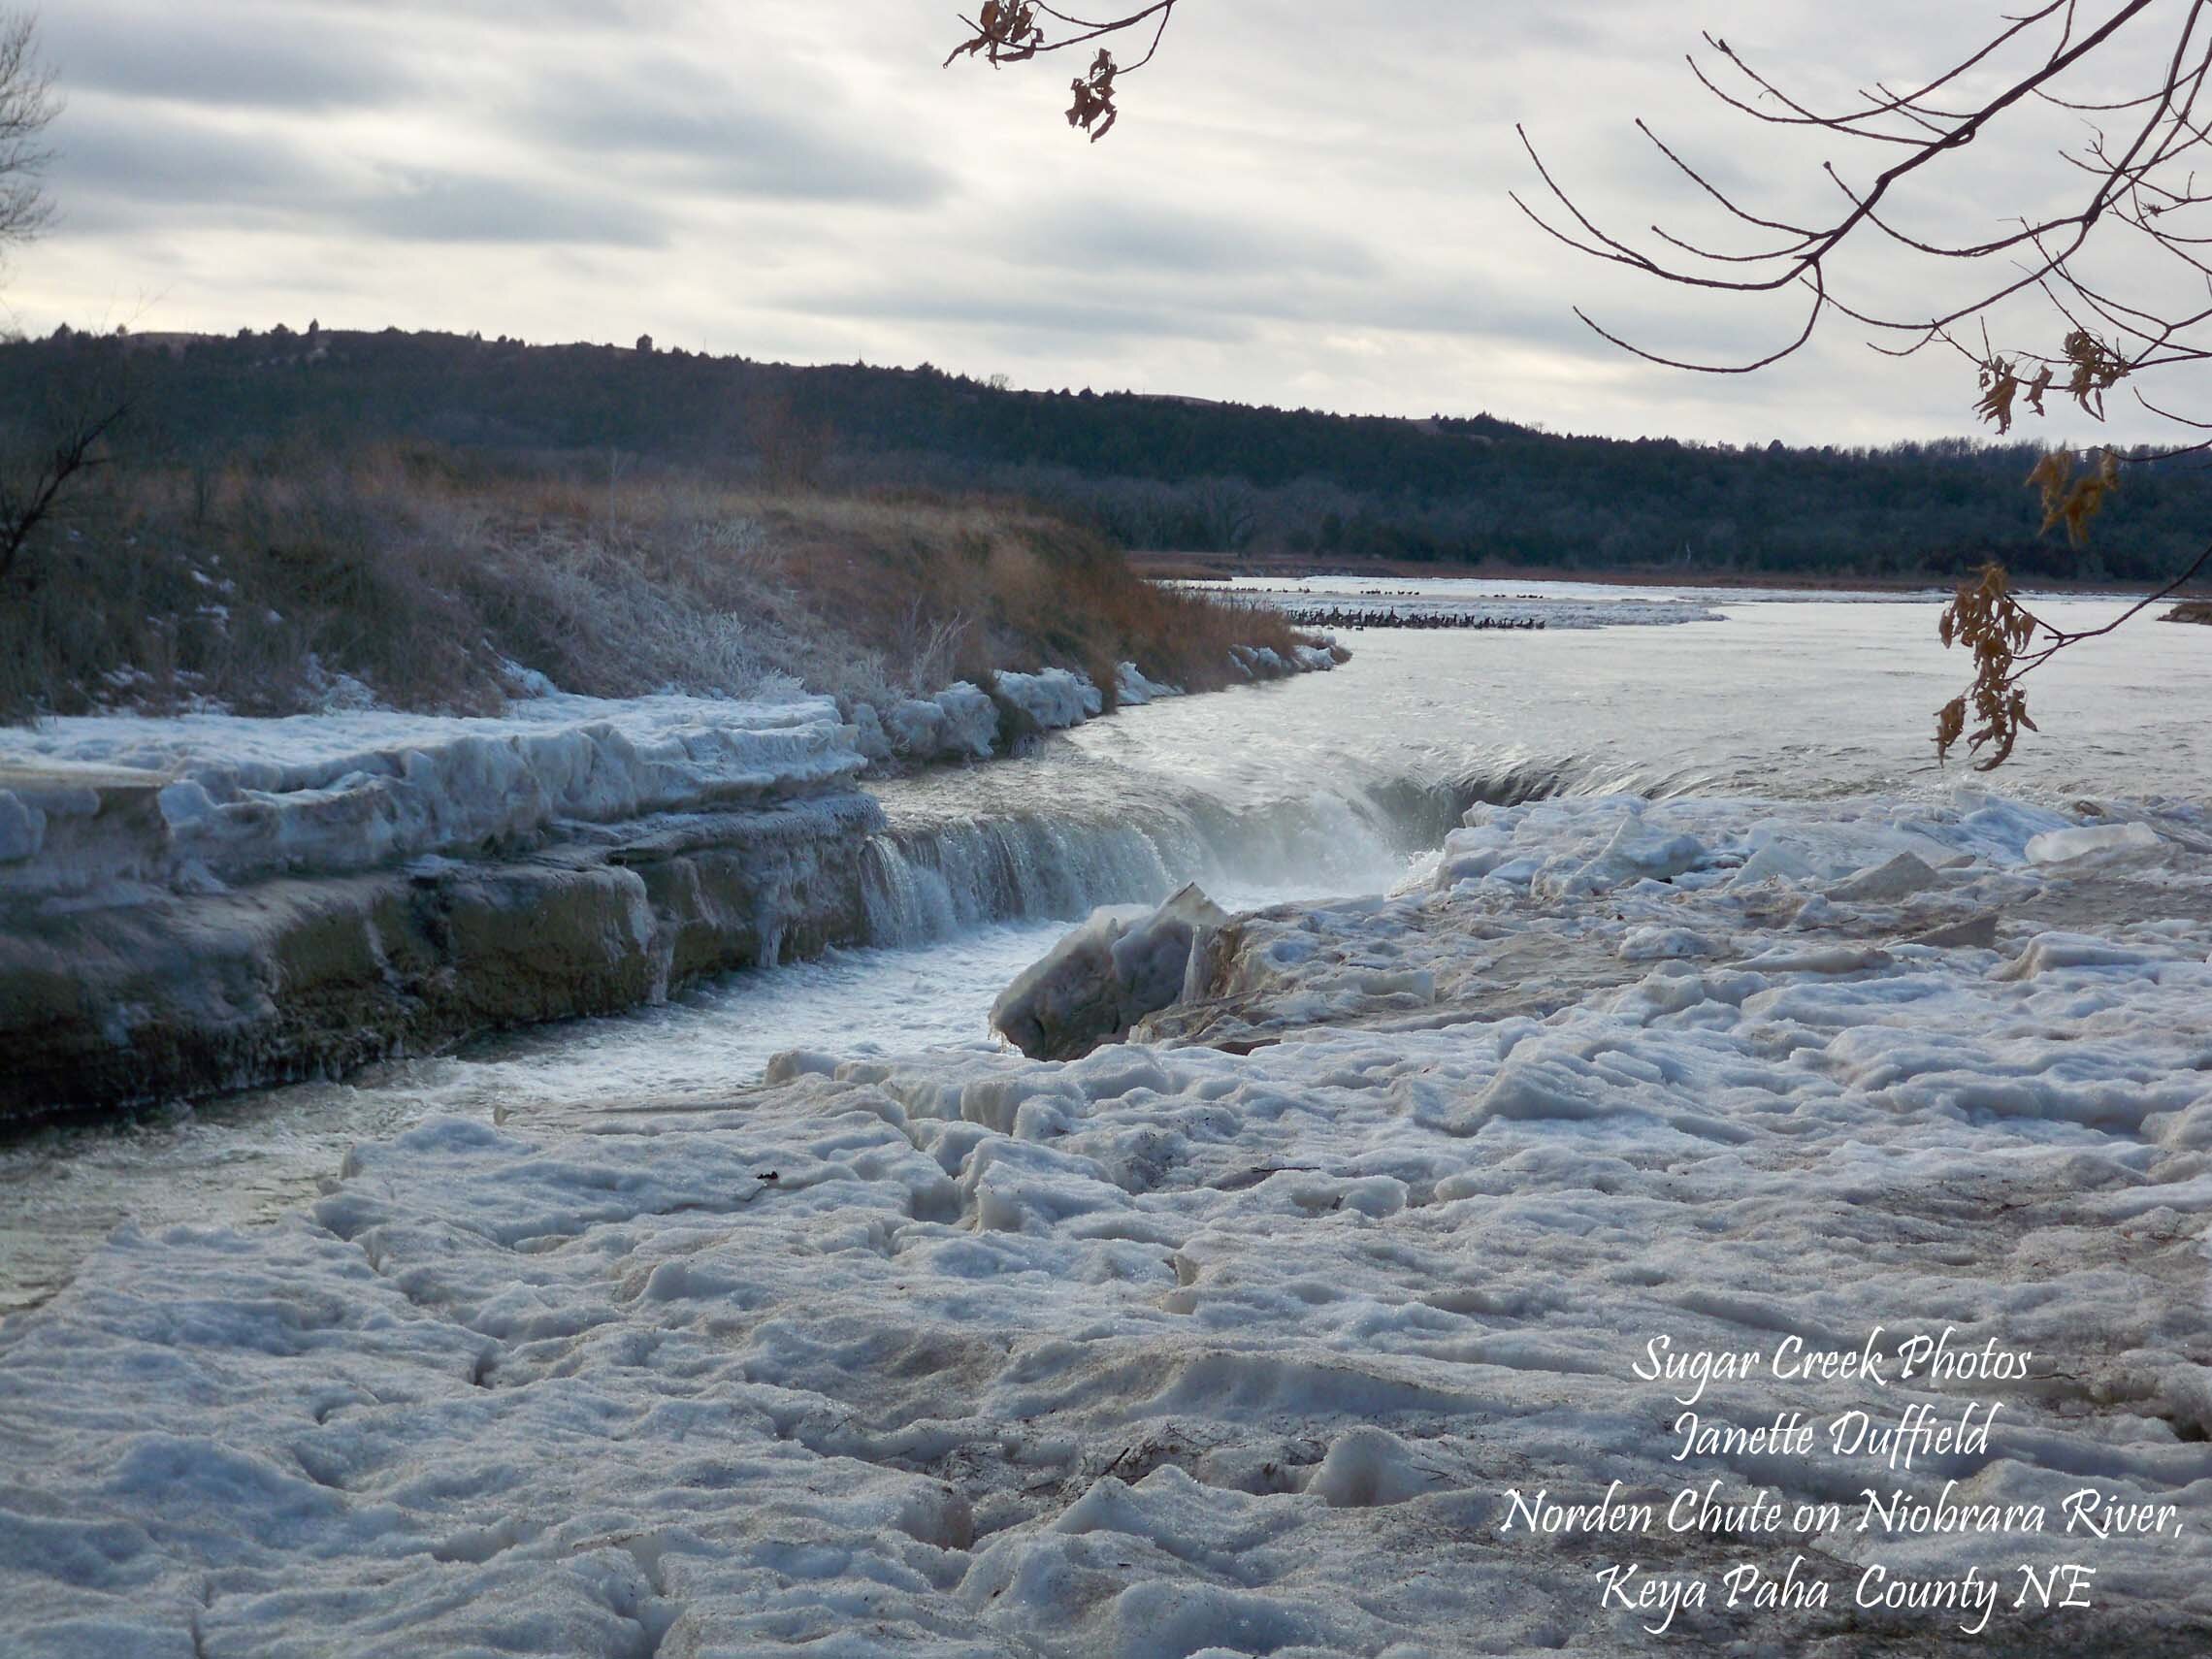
{"x": 2137, "y": 182}
{"x": 1008, "y": 31}
{"x": 26, "y": 505}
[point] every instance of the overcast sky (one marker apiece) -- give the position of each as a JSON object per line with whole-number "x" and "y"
{"x": 1304, "y": 203}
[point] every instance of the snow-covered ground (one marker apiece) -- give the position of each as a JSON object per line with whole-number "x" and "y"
{"x": 1176, "y": 1351}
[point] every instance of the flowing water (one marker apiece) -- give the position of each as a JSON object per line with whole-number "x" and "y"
{"x": 1319, "y": 785}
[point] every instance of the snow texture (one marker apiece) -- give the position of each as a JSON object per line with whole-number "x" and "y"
{"x": 1173, "y": 1350}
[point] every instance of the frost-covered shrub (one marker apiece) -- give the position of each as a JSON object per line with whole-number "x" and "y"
{"x": 428, "y": 580}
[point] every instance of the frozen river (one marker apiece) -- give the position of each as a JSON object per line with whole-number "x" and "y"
{"x": 1309, "y": 787}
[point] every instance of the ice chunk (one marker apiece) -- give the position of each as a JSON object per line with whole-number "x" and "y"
{"x": 2048, "y": 951}
{"x": 2058, "y": 846}
{"x": 798, "y": 1062}
{"x": 186, "y": 802}
{"x": 1900, "y": 878}
{"x": 1977, "y": 933}
{"x": 1772, "y": 862}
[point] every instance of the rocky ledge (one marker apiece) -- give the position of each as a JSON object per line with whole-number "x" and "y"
{"x": 186, "y": 994}
{"x": 206, "y": 903}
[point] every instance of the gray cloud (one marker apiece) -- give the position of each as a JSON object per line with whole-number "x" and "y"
{"x": 132, "y": 169}
{"x": 1099, "y": 233}
{"x": 710, "y": 134}
{"x": 118, "y": 153}
{"x": 1301, "y": 204}
{"x": 422, "y": 206}
{"x": 252, "y": 58}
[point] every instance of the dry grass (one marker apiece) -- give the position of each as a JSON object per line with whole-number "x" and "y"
{"x": 255, "y": 587}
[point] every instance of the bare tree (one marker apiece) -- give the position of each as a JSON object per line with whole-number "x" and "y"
{"x": 2119, "y": 273}
{"x": 29, "y": 104}
{"x": 31, "y": 490}
{"x": 28, "y": 500}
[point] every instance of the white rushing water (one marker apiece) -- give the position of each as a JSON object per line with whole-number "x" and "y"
{"x": 1309, "y": 787}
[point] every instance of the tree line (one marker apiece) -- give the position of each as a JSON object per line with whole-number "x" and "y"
{"x": 1149, "y": 471}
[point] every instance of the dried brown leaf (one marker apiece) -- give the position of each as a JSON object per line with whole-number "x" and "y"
{"x": 1986, "y": 619}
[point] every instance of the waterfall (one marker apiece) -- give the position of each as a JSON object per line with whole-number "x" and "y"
{"x": 930, "y": 880}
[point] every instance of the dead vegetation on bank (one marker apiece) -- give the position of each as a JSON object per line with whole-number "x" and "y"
{"x": 421, "y": 580}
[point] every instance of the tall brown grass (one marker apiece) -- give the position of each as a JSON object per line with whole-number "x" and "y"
{"x": 429, "y": 578}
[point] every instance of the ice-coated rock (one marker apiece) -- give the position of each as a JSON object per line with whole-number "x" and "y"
{"x": 1261, "y": 662}
{"x": 1054, "y": 700}
{"x": 916, "y": 728}
{"x": 1122, "y": 964}
{"x": 183, "y": 993}
{"x": 971, "y": 721}
{"x": 1132, "y": 688}
{"x": 868, "y": 735}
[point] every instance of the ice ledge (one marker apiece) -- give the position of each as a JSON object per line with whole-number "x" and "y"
{"x": 202, "y": 800}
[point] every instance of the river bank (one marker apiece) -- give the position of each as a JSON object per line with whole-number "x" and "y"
{"x": 321, "y": 760}
{"x": 206, "y": 903}
{"x": 1179, "y": 1349}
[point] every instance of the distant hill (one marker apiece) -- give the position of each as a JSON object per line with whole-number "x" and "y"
{"x": 1153, "y": 471}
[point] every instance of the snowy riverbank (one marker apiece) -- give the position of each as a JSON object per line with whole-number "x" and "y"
{"x": 1176, "y": 1349}
{"x": 209, "y": 901}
